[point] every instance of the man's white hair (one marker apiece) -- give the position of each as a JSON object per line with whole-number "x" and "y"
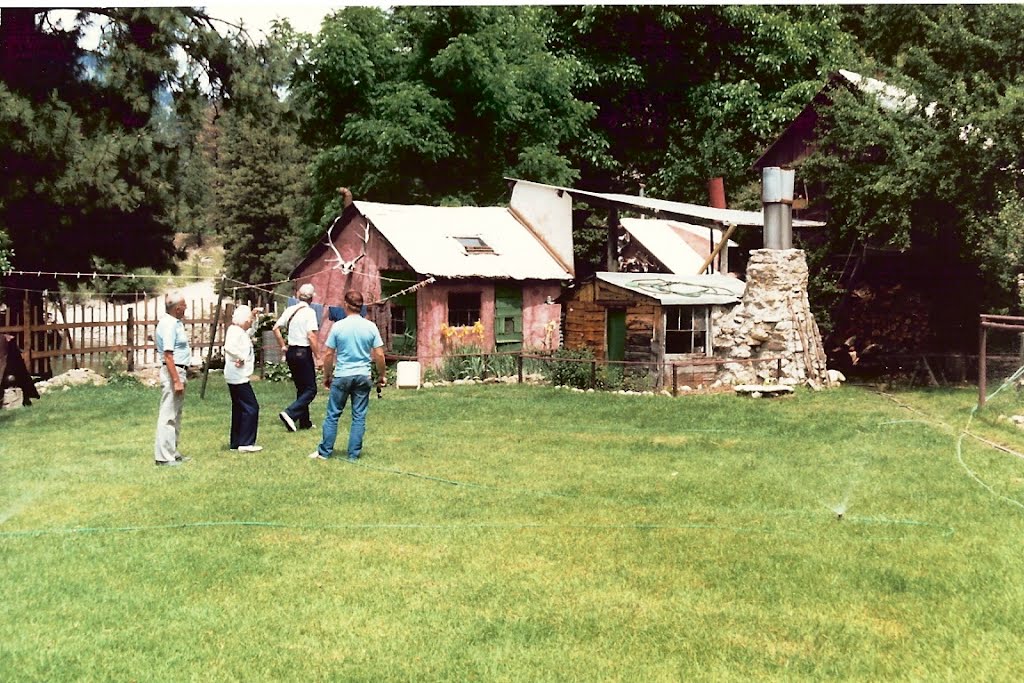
{"x": 172, "y": 299}
{"x": 242, "y": 314}
{"x": 306, "y": 292}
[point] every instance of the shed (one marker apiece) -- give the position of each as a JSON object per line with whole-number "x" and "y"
{"x": 653, "y": 318}
{"x": 425, "y": 269}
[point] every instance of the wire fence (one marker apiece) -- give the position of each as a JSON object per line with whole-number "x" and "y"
{"x": 691, "y": 375}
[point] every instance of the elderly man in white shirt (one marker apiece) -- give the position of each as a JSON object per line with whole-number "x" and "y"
{"x": 302, "y": 351}
{"x": 239, "y": 363}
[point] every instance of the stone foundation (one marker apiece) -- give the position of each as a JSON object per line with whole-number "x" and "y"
{"x": 773, "y": 319}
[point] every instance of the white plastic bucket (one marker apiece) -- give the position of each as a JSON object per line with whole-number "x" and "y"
{"x": 408, "y": 374}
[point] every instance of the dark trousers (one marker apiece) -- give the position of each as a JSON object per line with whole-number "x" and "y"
{"x": 300, "y": 362}
{"x": 245, "y": 415}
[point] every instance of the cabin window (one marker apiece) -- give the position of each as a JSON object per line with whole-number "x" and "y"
{"x": 474, "y": 245}
{"x": 398, "y": 326}
{"x": 463, "y": 308}
{"x": 401, "y": 337}
{"x": 686, "y": 329}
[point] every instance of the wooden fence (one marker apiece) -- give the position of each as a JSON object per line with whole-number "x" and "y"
{"x": 63, "y": 336}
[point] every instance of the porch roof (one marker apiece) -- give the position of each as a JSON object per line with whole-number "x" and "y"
{"x": 679, "y": 290}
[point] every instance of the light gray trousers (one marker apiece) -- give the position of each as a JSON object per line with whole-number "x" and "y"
{"x": 168, "y": 423}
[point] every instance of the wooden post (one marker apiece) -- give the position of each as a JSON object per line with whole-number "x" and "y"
{"x": 612, "y": 246}
{"x": 718, "y": 248}
{"x": 982, "y": 339}
{"x": 129, "y": 340}
{"x": 213, "y": 338}
{"x": 26, "y": 331}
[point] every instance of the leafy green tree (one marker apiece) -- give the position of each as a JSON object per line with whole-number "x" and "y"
{"x": 935, "y": 174}
{"x": 687, "y": 93}
{"x": 437, "y": 104}
{"x": 259, "y": 184}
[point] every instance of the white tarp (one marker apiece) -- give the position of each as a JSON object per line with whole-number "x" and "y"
{"x": 681, "y": 209}
{"x": 664, "y": 240}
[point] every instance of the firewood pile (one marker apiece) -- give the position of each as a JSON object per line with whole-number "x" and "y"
{"x": 880, "y": 321}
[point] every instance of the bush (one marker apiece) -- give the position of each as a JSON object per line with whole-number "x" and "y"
{"x": 115, "y": 369}
{"x": 276, "y": 372}
{"x": 465, "y": 362}
{"x": 571, "y": 367}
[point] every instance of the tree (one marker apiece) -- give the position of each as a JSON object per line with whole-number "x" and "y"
{"x": 92, "y": 142}
{"x": 259, "y": 166}
{"x": 437, "y": 104}
{"x": 939, "y": 176}
{"x": 688, "y": 93}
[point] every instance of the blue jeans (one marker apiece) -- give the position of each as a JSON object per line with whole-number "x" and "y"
{"x": 358, "y": 388}
{"x": 245, "y": 415}
{"x": 300, "y": 362}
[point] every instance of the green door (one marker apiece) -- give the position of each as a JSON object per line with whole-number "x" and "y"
{"x": 616, "y": 334}
{"x": 508, "y": 318}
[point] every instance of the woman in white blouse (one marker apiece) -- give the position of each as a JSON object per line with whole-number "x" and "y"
{"x": 239, "y": 363}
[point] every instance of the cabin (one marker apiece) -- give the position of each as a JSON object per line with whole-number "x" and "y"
{"x": 430, "y": 274}
{"x": 657, "y": 319}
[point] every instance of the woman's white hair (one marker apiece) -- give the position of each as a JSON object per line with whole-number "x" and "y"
{"x": 242, "y": 314}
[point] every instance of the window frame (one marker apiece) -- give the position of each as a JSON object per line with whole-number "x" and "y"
{"x": 698, "y": 331}
{"x": 468, "y": 310}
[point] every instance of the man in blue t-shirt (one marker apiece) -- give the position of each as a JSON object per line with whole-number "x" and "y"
{"x": 351, "y": 345}
{"x": 172, "y": 348}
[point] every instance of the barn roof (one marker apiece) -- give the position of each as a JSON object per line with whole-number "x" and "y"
{"x": 679, "y": 290}
{"x": 676, "y": 210}
{"x": 666, "y": 240}
{"x": 463, "y": 241}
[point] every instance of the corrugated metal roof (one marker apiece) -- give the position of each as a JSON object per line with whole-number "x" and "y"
{"x": 680, "y": 290}
{"x": 680, "y": 209}
{"x": 427, "y": 237}
{"x": 664, "y": 241}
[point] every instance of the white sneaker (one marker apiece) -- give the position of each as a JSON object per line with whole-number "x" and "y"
{"x": 289, "y": 423}
{"x": 315, "y": 455}
{"x": 250, "y": 449}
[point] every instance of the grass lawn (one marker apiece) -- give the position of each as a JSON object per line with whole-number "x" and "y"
{"x": 505, "y": 533}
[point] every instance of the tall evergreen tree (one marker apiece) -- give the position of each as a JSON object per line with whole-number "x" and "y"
{"x": 259, "y": 176}
{"x": 91, "y": 142}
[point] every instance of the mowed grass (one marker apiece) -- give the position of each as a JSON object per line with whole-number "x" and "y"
{"x": 506, "y": 533}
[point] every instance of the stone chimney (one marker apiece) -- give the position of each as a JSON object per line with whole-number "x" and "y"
{"x": 773, "y": 319}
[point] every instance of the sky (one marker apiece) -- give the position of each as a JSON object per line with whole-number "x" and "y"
{"x": 257, "y": 17}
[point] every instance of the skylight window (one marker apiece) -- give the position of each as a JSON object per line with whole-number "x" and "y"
{"x": 475, "y": 245}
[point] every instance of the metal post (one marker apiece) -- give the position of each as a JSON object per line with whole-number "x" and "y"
{"x": 593, "y": 374}
{"x": 519, "y": 366}
{"x": 675, "y": 380}
{"x": 777, "y": 198}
